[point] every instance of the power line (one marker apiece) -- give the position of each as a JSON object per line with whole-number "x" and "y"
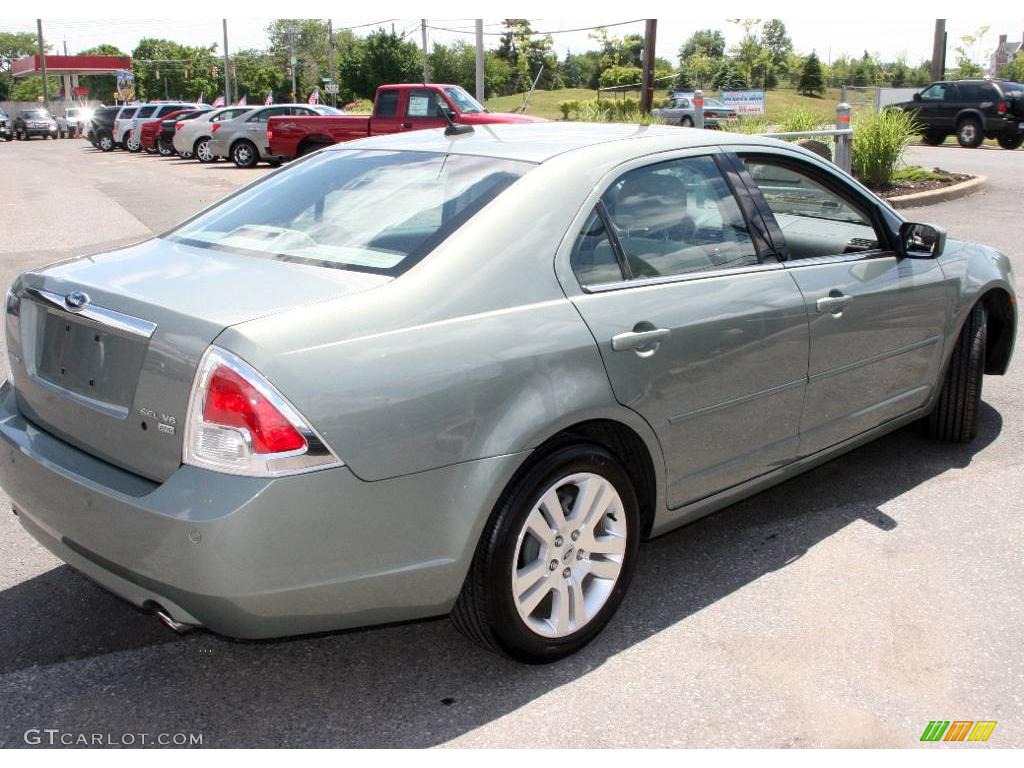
{"x": 542, "y": 32}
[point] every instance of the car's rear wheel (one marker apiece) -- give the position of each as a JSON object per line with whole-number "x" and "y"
{"x": 1009, "y": 141}
{"x": 969, "y": 133}
{"x": 956, "y": 412}
{"x": 202, "y": 151}
{"x": 106, "y": 142}
{"x": 933, "y": 138}
{"x": 244, "y": 154}
{"x": 555, "y": 559}
{"x": 165, "y": 151}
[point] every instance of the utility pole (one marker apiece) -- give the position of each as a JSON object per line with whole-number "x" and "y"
{"x": 647, "y": 94}
{"x": 227, "y": 68}
{"x": 330, "y": 59}
{"x": 481, "y": 91}
{"x": 939, "y": 50}
{"x": 426, "y": 65}
{"x": 291, "y": 58}
{"x": 42, "y": 62}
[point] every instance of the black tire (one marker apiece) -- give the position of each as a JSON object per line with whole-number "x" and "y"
{"x": 185, "y": 155}
{"x": 686, "y": 122}
{"x": 955, "y": 416}
{"x": 933, "y": 138}
{"x": 106, "y": 143}
{"x": 199, "y": 151}
{"x": 1009, "y": 141}
{"x": 485, "y": 611}
{"x": 164, "y": 150}
{"x": 970, "y": 133}
{"x": 244, "y": 154}
{"x": 128, "y": 145}
{"x": 151, "y": 150}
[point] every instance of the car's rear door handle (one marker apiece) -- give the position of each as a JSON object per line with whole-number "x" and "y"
{"x": 406, "y": 126}
{"x": 644, "y": 343}
{"x": 834, "y": 302}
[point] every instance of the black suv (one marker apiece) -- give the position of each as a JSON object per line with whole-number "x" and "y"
{"x": 101, "y": 128}
{"x": 973, "y": 110}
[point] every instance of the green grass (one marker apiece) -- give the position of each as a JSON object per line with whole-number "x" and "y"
{"x": 545, "y": 103}
{"x": 917, "y": 173}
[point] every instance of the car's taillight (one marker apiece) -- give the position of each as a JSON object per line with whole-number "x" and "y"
{"x": 179, "y": 125}
{"x": 240, "y": 424}
{"x": 1001, "y": 107}
{"x": 270, "y": 133}
{"x": 215, "y": 127}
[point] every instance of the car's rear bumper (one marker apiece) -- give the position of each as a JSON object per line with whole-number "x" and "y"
{"x": 252, "y": 557}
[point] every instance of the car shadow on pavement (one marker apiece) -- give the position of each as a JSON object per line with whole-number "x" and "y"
{"x": 417, "y": 684}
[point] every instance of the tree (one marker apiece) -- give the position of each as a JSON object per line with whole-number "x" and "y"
{"x": 255, "y": 75}
{"x": 776, "y": 48}
{"x": 968, "y": 53}
{"x": 14, "y": 45}
{"x": 387, "y": 58}
{"x": 166, "y": 69}
{"x": 709, "y": 42}
{"x": 1014, "y": 70}
{"x": 748, "y": 50}
{"x": 310, "y": 39}
{"x": 811, "y": 80}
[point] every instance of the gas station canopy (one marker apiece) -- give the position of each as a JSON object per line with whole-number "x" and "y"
{"x": 71, "y": 65}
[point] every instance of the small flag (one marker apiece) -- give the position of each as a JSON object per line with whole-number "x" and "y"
{"x": 314, "y": 97}
{"x": 269, "y": 100}
{"x": 244, "y": 101}
{"x": 218, "y": 102}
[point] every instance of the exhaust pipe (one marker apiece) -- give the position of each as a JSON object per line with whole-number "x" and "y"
{"x": 177, "y": 626}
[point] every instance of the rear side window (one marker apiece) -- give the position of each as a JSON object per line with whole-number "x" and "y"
{"x": 146, "y": 111}
{"x": 126, "y": 113}
{"x": 675, "y": 218}
{"x": 593, "y": 257}
{"x": 387, "y": 104}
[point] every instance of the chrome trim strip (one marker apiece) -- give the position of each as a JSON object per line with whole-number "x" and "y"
{"x": 874, "y": 359}
{"x": 113, "y": 319}
{"x": 682, "y": 278}
{"x": 736, "y": 401}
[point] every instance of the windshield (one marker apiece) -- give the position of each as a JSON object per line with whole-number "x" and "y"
{"x": 467, "y": 104}
{"x": 36, "y": 114}
{"x": 371, "y": 211}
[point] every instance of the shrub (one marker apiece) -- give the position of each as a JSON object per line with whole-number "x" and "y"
{"x": 878, "y": 144}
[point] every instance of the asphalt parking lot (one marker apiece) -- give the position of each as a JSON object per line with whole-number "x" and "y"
{"x": 847, "y": 607}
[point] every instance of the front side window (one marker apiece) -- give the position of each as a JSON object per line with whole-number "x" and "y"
{"x": 935, "y": 93}
{"x": 371, "y": 211}
{"x": 422, "y": 103}
{"x": 815, "y": 220}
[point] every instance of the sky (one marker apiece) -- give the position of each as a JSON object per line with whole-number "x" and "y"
{"x": 880, "y": 32}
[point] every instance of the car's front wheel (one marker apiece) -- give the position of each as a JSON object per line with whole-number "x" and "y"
{"x": 956, "y": 412}
{"x": 106, "y": 143}
{"x": 244, "y": 154}
{"x": 131, "y": 144}
{"x": 555, "y": 559}
{"x": 1009, "y": 141}
{"x": 203, "y": 153}
{"x": 969, "y": 133}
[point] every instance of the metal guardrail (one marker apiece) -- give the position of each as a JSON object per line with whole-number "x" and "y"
{"x": 842, "y": 133}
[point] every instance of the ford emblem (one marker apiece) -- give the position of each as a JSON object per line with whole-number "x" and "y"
{"x": 76, "y": 299}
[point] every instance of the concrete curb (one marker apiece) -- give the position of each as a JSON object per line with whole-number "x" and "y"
{"x": 940, "y": 195}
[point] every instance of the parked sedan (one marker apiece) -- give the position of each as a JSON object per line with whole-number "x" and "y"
{"x": 192, "y": 138}
{"x": 35, "y": 122}
{"x": 680, "y": 111}
{"x": 244, "y": 139}
{"x": 169, "y": 126}
{"x": 427, "y": 373}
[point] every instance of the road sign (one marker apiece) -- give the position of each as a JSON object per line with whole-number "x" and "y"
{"x": 331, "y": 87}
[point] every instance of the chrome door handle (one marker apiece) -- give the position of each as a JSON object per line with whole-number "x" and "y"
{"x": 833, "y": 303}
{"x": 644, "y": 343}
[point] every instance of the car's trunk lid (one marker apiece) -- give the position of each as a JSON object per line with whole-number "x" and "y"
{"x": 113, "y": 377}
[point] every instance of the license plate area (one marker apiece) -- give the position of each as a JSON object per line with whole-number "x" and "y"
{"x": 82, "y": 358}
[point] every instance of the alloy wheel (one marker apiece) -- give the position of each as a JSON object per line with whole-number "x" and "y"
{"x": 569, "y": 555}
{"x": 203, "y": 151}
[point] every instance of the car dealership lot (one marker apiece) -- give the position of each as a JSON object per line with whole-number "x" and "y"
{"x": 847, "y": 607}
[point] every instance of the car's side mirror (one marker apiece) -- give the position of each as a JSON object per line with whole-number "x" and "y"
{"x": 917, "y": 97}
{"x": 922, "y": 240}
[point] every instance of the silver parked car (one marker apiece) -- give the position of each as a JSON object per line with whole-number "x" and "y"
{"x": 679, "y": 110}
{"x": 428, "y": 373}
{"x": 244, "y": 138}
{"x": 192, "y": 137}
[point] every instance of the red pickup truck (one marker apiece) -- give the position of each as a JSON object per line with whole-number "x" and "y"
{"x": 396, "y": 108}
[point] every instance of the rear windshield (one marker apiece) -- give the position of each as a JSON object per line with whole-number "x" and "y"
{"x": 370, "y": 211}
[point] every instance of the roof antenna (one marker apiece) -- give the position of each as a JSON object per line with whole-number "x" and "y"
{"x": 453, "y": 128}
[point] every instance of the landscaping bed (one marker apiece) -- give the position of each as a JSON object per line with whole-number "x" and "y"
{"x": 914, "y": 179}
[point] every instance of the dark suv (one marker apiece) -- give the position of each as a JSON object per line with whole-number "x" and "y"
{"x": 6, "y": 127}
{"x": 973, "y": 110}
{"x": 101, "y": 128}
